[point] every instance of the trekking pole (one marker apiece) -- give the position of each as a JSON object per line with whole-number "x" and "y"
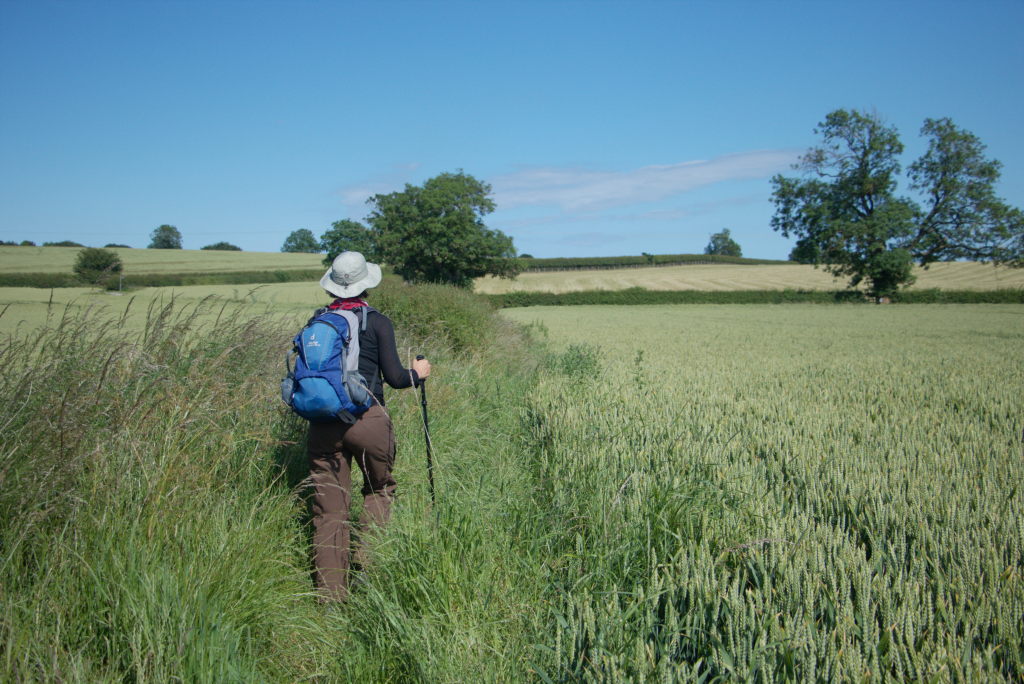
{"x": 426, "y": 433}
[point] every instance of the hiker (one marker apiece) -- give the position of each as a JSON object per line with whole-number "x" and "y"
{"x": 369, "y": 441}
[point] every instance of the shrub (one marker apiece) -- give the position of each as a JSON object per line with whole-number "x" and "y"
{"x": 223, "y": 246}
{"x": 63, "y": 243}
{"x": 114, "y": 244}
{"x": 98, "y": 267}
{"x": 580, "y": 361}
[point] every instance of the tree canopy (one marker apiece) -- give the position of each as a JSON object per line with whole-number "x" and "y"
{"x": 165, "y": 237}
{"x": 722, "y": 243}
{"x": 301, "y": 240}
{"x": 347, "y": 236}
{"x": 436, "y": 233}
{"x": 223, "y": 247}
{"x": 98, "y": 266}
{"x": 846, "y": 215}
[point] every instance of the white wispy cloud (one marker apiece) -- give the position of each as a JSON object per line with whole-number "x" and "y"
{"x": 577, "y": 189}
{"x": 355, "y": 195}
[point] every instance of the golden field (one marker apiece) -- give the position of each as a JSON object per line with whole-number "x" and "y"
{"x": 945, "y": 276}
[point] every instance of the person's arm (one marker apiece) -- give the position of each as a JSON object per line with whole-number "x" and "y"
{"x": 391, "y": 368}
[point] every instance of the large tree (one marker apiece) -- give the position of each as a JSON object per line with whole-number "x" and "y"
{"x": 301, "y": 240}
{"x": 846, "y": 215}
{"x": 436, "y": 233}
{"x": 721, "y": 243}
{"x": 165, "y": 237}
{"x": 347, "y": 236}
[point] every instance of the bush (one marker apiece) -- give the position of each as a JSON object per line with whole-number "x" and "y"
{"x": 580, "y": 362}
{"x": 223, "y": 246}
{"x": 63, "y": 243}
{"x": 99, "y": 267}
{"x": 116, "y": 245}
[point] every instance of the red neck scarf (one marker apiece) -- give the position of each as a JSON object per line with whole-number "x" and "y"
{"x": 346, "y": 304}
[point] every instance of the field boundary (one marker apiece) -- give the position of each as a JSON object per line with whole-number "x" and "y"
{"x": 641, "y": 296}
{"x": 532, "y": 264}
{"x": 60, "y": 280}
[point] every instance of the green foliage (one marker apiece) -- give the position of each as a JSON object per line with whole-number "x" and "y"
{"x": 27, "y": 243}
{"x": 436, "y": 234}
{"x": 439, "y": 314}
{"x": 300, "y": 240}
{"x": 63, "y": 243}
{"x": 348, "y": 236}
{"x": 962, "y": 216}
{"x": 806, "y": 251}
{"x": 223, "y": 247}
{"x": 847, "y": 216}
{"x": 723, "y": 244}
{"x": 580, "y": 362}
{"x": 110, "y": 245}
{"x": 165, "y": 237}
{"x": 99, "y": 267}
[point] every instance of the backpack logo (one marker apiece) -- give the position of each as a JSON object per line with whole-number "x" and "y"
{"x": 325, "y": 384}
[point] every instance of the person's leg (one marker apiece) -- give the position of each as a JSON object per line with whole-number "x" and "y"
{"x": 371, "y": 442}
{"x": 330, "y": 474}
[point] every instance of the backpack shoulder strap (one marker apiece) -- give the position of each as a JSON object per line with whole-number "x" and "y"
{"x": 364, "y": 312}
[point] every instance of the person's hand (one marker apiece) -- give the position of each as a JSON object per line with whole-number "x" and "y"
{"x": 422, "y": 368}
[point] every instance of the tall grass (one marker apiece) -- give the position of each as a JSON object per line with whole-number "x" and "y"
{"x": 811, "y": 494}
{"x": 744, "y": 493}
{"x": 152, "y": 522}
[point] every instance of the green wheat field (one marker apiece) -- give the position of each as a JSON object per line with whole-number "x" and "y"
{"x": 653, "y": 493}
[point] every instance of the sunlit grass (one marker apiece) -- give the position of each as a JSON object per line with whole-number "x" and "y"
{"x": 62, "y": 259}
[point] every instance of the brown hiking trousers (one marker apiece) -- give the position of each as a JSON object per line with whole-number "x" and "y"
{"x": 331, "y": 448}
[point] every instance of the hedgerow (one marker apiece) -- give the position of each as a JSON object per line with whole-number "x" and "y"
{"x": 638, "y": 295}
{"x": 572, "y": 263}
{"x": 49, "y": 280}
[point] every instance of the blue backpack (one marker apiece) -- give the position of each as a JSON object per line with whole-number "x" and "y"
{"x": 325, "y": 385}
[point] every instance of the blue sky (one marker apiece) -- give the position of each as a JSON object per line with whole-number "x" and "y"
{"x": 605, "y": 128}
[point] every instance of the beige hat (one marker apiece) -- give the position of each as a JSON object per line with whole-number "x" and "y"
{"x": 349, "y": 275}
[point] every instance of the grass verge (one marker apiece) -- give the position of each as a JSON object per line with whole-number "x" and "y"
{"x": 152, "y": 523}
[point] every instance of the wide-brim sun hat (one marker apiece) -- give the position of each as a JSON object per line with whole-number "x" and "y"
{"x": 350, "y": 274}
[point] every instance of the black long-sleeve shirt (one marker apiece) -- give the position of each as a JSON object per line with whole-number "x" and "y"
{"x": 378, "y": 356}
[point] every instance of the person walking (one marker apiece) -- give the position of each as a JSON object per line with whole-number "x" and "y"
{"x": 369, "y": 441}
